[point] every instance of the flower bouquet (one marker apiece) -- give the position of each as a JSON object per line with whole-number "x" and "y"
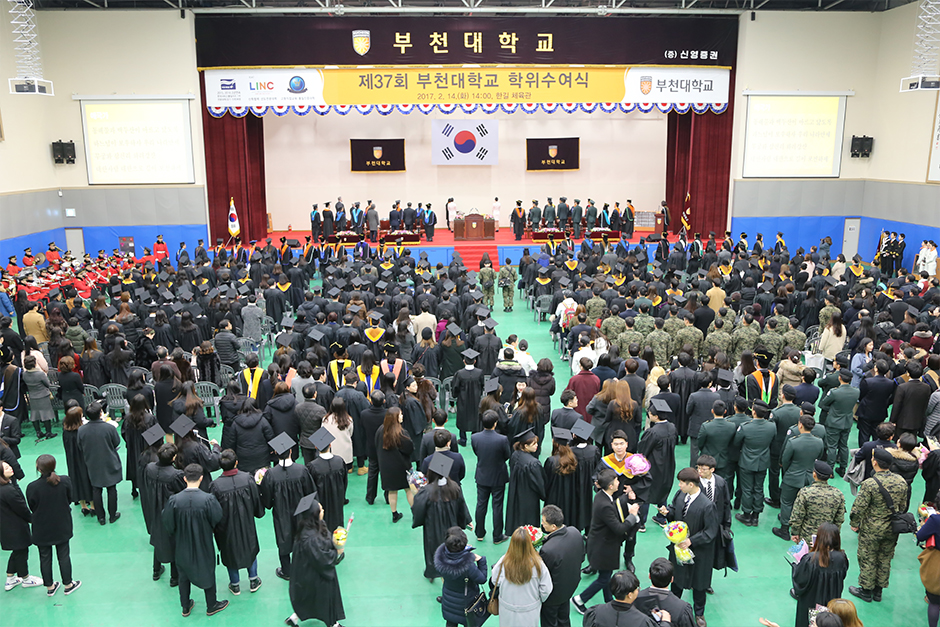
{"x": 636, "y": 465}
{"x": 416, "y": 480}
{"x": 259, "y": 475}
{"x": 536, "y": 535}
{"x": 677, "y": 531}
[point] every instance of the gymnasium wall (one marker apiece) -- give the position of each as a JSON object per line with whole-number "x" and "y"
{"x": 95, "y": 53}
{"x": 867, "y": 53}
{"x": 307, "y": 160}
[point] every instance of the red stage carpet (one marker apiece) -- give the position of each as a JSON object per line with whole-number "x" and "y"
{"x": 471, "y": 251}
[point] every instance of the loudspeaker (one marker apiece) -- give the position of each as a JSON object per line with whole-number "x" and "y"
{"x": 861, "y": 146}
{"x": 63, "y": 152}
{"x": 653, "y": 237}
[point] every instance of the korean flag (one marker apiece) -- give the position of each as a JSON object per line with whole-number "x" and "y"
{"x": 465, "y": 142}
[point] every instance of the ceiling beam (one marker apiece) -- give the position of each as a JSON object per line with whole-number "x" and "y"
{"x": 460, "y": 10}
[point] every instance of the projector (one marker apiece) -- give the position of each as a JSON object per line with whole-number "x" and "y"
{"x": 920, "y": 83}
{"x": 36, "y": 86}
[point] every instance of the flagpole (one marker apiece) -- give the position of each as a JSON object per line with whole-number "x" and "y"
{"x": 688, "y": 178}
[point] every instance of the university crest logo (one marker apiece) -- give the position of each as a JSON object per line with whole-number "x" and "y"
{"x": 361, "y": 41}
{"x": 646, "y": 85}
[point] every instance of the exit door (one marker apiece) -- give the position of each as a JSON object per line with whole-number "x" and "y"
{"x": 75, "y": 241}
{"x": 850, "y": 237}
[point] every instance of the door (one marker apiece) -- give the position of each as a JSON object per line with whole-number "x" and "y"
{"x": 75, "y": 241}
{"x": 850, "y": 237}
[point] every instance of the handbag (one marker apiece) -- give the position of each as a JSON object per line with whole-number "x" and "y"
{"x": 477, "y": 612}
{"x": 493, "y": 606}
{"x": 901, "y": 522}
{"x": 930, "y": 570}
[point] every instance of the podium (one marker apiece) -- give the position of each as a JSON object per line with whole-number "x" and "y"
{"x": 474, "y": 227}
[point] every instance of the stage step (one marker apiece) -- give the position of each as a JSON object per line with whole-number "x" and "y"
{"x": 472, "y": 252}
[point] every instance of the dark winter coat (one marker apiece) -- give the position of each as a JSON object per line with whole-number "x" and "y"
{"x": 249, "y": 439}
{"x": 462, "y": 575}
{"x": 52, "y": 510}
{"x": 15, "y": 518}
{"x": 563, "y": 551}
{"x": 279, "y": 413}
{"x": 99, "y": 442}
{"x": 394, "y": 464}
{"x": 544, "y": 385}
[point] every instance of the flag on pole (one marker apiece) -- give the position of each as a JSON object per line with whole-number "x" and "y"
{"x": 687, "y": 213}
{"x": 233, "y": 228}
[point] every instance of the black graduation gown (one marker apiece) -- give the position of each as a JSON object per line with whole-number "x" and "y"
{"x": 683, "y": 381}
{"x": 414, "y": 421}
{"x": 468, "y": 388}
{"x": 436, "y": 516}
{"x": 281, "y": 491}
{"x": 236, "y": 534}
{"x": 327, "y": 223}
{"x": 588, "y": 457}
{"x": 134, "y": 444}
{"x": 189, "y": 518}
{"x": 563, "y": 491}
{"x": 331, "y": 480}
{"x": 815, "y": 585}
{"x": 193, "y": 452}
{"x": 78, "y": 471}
{"x": 526, "y": 491}
{"x": 158, "y": 484}
{"x": 314, "y": 587}
{"x": 658, "y": 445}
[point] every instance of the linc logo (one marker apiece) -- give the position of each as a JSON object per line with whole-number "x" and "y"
{"x": 377, "y": 152}
{"x": 646, "y": 85}
{"x": 553, "y": 151}
{"x": 361, "y": 42}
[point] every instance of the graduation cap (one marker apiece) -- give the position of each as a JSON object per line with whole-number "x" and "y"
{"x": 110, "y": 311}
{"x": 293, "y": 243}
{"x": 332, "y": 270}
{"x": 204, "y": 287}
{"x": 284, "y": 339}
{"x": 831, "y": 280}
{"x": 213, "y": 293}
{"x": 914, "y": 311}
{"x": 449, "y": 285}
{"x": 194, "y": 309}
{"x": 305, "y": 504}
{"x": 316, "y": 335}
{"x": 116, "y": 289}
{"x": 476, "y": 295}
{"x": 767, "y": 286}
{"x": 528, "y": 434}
{"x": 186, "y": 293}
{"x": 582, "y": 429}
{"x": 660, "y": 407}
{"x": 163, "y": 276}
{"x": 374, "y": 315}
{"x": 680, "y": 299}
{"x": 454, "y": 329}
{"x": 610, "y": 280}
{"x": 243, "y": 289}
{"x": 725, "y": 377}
{"x": 356, "y": 281}
{"x": 340, "y": 283}
{"x": 381, "y": 285}
{"x": 140, "y": 291}
{"x": 167, "y": 294}
{"x": 281, "y": 444}
{"x": 334, "y": 292}
{"x": 441, "y": 464}
{"x": 491, "y": 385}
{"x": 658, "y": 273}
{"x": 182, "y": 426}
{"x": 543, "y": 271}
{"x": 490, "y": 324}
{"x": 54, "y": 292}
{"x": 354, "y": 309}
{"x": 470, "y": 354}
{"x": 153, "y": 435}
{"x": 231, "y": 292}
{"x": 177, "y": 307}
{"x": 482, "y": 312}
{"x": 255, "y": 256}
{"x": 322, "y": 439}
{"x": 287, "y": 321}
{"x": 560, "y": 433}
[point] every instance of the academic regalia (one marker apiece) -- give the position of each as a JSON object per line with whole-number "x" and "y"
{"x": 468, "y": 388}
{"x": 158, "y": 484}
{"x": 435, "y": 517}
{"x": 314, "y": 587}
{"x": 658, "y": 445}
{"x": 588, "y": 458}
{"x": 327, "y": 218}
{"x": 236, "y": 534}
{"x": 526, "y": 491}
{"x": 414, "y": 420}
{"x": 78, "y": 472}
{"x": 815, "y": 585}
{"x": 315, "y": 223}
{"x": 281, "y": 491}
{"x": 134, "y": 445}
{"x": 331, "y": 479}
{"x": 189, "y": 518}
{"x": 564, "y": 491}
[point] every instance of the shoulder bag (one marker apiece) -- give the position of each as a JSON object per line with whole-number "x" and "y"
{"x": 901, "y": 522}
{"x": 493, "y": 606}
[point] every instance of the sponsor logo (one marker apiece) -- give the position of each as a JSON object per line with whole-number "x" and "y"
{"x": 361, "y": 41}
{"x": 227, "y": 84}
{"x": 296, "y": 85}
{"x": 646, "y": 85}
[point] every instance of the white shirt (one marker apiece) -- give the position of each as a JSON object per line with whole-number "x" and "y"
{"x": 496, "y": 207}
{"x": 690, "y": 498}
{"x": 709, "y": 482}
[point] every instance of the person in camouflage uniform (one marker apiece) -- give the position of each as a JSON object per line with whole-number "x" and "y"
{"x": 719, "y": 338}
{"x": 825, "y": 314}
{"x": 644, "y": 321}
{"x": 772, "y": 341}
{"x": 673, "y": 322}
{"x": 507, "y": 280}
{"x": 783, "y": 323}
{"x": 487, "y": 279}
{"x": 630, "y": 336}
{"x": 871, "y": 518}
{"x": 661, "y": 343}
{"x": 689, "y": 334}
{"x": 726, "y": 314}
{"x": 744, "y": 338}
{"x": 613, "y": 325}
{"x": 595, "y": 306}
{"x": 794, "y": 338}
{"x": 815, "y": 504}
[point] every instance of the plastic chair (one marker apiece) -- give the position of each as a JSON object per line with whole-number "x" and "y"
{"x": 813, "y": 330}
{"x": 268, "y": 327}
{"x": 57, "y": 404}
{"x": 226, "y": 374}
{"x": 114, "y": 394}
{"x": 437, "y": 386}
{"x": 91, "y": 394}
{"x": 53, "y": 376}
{"x": 148, "y": 376}
{"x": 446, "y": 396}
{"x": 210, "y": 394}
{"x": 543, "y": 306}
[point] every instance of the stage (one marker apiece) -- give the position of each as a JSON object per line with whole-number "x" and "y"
{"x": 441, "y": 250}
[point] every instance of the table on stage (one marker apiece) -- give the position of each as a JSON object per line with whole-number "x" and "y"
{"x": 346, "y": 238}
{"x": 597, "y": 236}
{"x": 474, "y": 227}
{"x": 541, "y": 236}
{"x": 408, "y": 238}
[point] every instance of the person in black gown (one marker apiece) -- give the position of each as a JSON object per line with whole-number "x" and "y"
{"x": 467, "y": 387}
{"x": 159, "y": 481}
{"x": 314, "y": 588}
{"x": 561, "y": 478}
{"x": 588, "y": 456}
{"x": 819, "y": 576}
{"x": 526, "y": 483}
{"x": 281, "y": 490}
{"x": 132, "y": 429}
{"x": 75, "y": 461}
{"x": 329, "y": 475}
{"x": 438, "y": 506}
{"x": 236, "y": 534}
{"x": 658, "y": 445}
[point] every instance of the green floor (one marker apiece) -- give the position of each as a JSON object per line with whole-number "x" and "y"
{"x": 381, "y": 578}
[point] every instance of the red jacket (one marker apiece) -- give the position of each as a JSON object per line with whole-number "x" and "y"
{"x": 585, "y": 384}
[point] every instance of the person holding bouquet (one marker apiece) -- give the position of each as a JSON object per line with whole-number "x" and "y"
{"x": 438, "y": 507}
{"x": 698, "y": 512}
{"x": 314, "y": 586}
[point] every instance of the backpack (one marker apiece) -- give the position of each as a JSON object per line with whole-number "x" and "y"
{"x": 568, "y": 317}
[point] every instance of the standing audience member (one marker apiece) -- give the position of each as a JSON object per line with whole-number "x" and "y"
{"x": 562, "y": 553}
{"x": 236, "y": 534}
{"x": 659, "y": 597}
{"x": 492, "y": 452}
{"x": 462, "y": 571}
{"x": 99, "y": 442}
{"x": 394, "y": 449}
{"x": 14, "y": 531}
{"x": 523, "y": 580}
{"x": 625, "y": 588}
{"x": 50, "y": 500}
{"x": 314, "y": 591}
{"x": 819, "y": 576}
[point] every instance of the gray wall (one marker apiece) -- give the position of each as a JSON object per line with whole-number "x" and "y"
{"x": 33, "y": 212}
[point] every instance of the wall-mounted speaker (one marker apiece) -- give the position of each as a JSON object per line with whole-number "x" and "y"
{"x": 861, "y": 146}
{"x": 63, "y": 152}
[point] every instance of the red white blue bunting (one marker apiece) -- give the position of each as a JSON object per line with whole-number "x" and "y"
{"x": 490, "y": 108}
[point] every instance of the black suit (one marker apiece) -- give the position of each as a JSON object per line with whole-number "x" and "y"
{"x": 562, "y": 552}
{"x": 427, "y": 442}
{"x": 649, "y": 599}
{"x": 875, "y": 395}
{"x": 492, "y": 451}
{"x": 607, "y": 532}
{"x": 704, "y": 531}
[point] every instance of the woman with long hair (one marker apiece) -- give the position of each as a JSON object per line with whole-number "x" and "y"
{"x": 50, "y": 499}
{"x": 562, "y": 481}
{"x": 462, "y": 571}
{"x": 523, "y": 581}
{"x": 438, "y": 506}
{"x": 820, "y": 575}
{"x": 746, "y": 366}
{"x": 188, "y": 403}
{"x": 526, "y": 483}
{"x": 845, "y": 610}
{"x": 395, "y": 365}
{"x": 82, "y": 492}
{"x": 31, "y": 347}
{"x": 71, "y": 386}
{"x": 340, "y": 424}
{"x": 183, "y": 364}
{"x": 394, "y": 448}
{"x": 188, "y": 334}
{"x": 93, "y": 367}
{"x": 119, "y": 362}
{"x": 387, "y": 384}
{"x": 451, "y": 348}
{"x": 163, "y": 334}
{"x": 542, "y": 380}
{"x": 14, "y": 531}
{"x": 427, "y": 353}
{"x": 137, "y": 384}
{"x": 314, "y": 585}
{"x": 621, "y": 412}
{"x": 208, "y": 364}
{"x": 369, "y": 373}
{"x": 133, "y": 426}
{"x": 832, "y": 340}
{"x": 525, "y": 417}
{"x": 415, "y": 420}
